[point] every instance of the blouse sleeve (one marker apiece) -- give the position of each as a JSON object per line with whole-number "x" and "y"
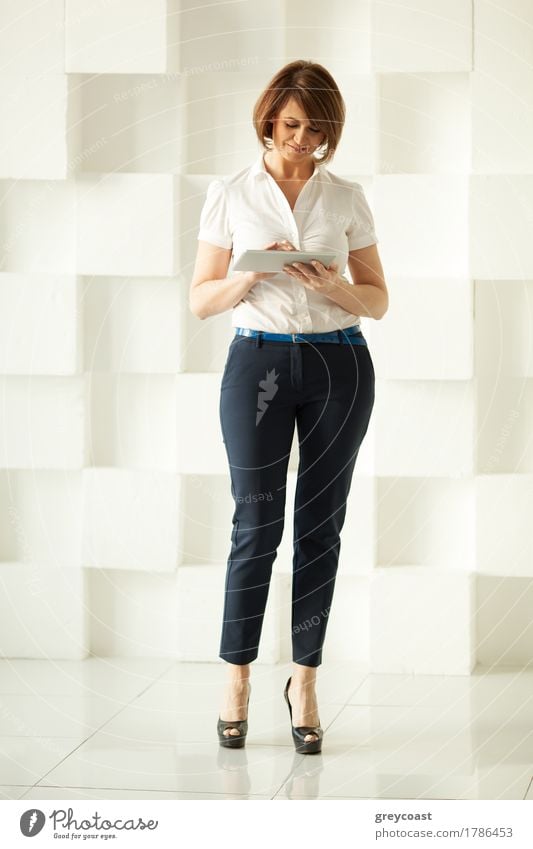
{"x": 214, "y": 217}
{"x": 361, "y": 232}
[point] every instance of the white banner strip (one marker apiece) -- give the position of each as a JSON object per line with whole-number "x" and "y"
{"x": 244, "y": 822}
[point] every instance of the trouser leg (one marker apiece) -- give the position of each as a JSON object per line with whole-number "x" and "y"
{"x": 332, "y": 422}
{"x": 257, "y": 414}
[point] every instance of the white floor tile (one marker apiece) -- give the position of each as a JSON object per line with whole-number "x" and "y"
{"x": 366, "y": 775}
{"x": 482, "y": 686}
{"x": 124, "y": 677}
{"x": 441, "y": 731}
{"x": 7, "y": 792}
{"x": 82, "y": 793}
{"x": 25, "y": 760}
{"x": 191, "y": 767}
{"x": 24, "y": 714}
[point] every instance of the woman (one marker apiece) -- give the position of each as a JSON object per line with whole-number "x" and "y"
{"x": 298, "y": 358}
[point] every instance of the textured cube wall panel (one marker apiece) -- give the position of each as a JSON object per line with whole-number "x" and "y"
{"x": 33, "y": 136}
{"x": 505, "y": 414}
{"x": 40, "y": 518}
{"x": 126, "y": 224}
{"x": 133, "y": 326}
{"x": 504, "y": 366}
{"x": 425, "y": 428}
{"x": 205, "y": 344}
{"x": 219, "y": 135}
{"x": 426, "y": 522}
{"x": 504, "y": 621}
{"x": 121, "y": 36}
{"x": 341, "y": 40}
{"x": 32, "y": 37}
{"x": 227, "y": 37}
{"x": 40, "y": 324}
{"x": 133, "y": 613}
{"x": 504, "y": 529}
{"x": 424, "y": 35}
{"x": 500, "y": 222}
{"x": 423, "y": 219}
{"x": 192, "y": 191}
{"x": 422, "y": 620}
{"x": 503, "y": 329}
{"x": 131, "y": 421}
{"x": 207, "y": 509}
{"x": 200, "y": 443}
{"x": 131, "y": 122}
{"x": 38, "y": 226}
{"x": 131, "y": 520}
{"x": 433, "y": 316}
{"x": 348, "y": 633}
{"x": 42, "y": 422}
{"x": 422, "y": 117}
{"x": 356, "y": 154}
{"x": 502, "y": 119}
{"x": 43, "y": 612}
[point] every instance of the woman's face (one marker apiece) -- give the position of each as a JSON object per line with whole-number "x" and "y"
{"x": 294, "y": 136}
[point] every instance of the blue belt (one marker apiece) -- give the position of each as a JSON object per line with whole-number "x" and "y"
{"x": 348, "y": 336}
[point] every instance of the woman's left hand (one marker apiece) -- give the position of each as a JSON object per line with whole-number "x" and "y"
{"x": 314, "y": 275}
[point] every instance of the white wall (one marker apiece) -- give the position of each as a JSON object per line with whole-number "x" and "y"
{"x": 115, "y": 504}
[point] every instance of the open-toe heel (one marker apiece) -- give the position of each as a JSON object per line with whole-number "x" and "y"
{"x": 233, "y": 741}
{"x": 303, "y": 746}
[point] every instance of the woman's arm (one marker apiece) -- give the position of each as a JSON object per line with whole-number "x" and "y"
{"x": 211, "y": 292}
{"x": 367, "y": 295}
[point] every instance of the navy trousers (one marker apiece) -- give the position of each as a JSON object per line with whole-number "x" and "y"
{"x": 268, "y": 387}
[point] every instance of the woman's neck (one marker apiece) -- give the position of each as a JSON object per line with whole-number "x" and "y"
{"x": 281, "y": 169}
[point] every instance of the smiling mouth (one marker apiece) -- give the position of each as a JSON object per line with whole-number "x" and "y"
{"x": 296, "y": 149}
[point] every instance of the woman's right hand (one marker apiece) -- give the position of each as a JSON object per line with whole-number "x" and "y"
{"x": 253, "y": 276}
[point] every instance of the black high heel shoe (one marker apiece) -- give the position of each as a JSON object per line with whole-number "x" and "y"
{"x": 233, "y": 741}
{"x": 309, "y": 747}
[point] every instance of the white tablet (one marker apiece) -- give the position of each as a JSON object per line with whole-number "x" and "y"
{"x": 275, "y": 260}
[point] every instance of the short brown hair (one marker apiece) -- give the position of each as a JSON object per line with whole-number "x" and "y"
{"x": 317, "y": 94}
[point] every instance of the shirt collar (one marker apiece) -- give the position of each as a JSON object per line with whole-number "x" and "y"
{"x": 258, "y": 168}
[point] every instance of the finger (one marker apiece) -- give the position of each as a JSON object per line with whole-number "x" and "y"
{"x": 303, "y": 267}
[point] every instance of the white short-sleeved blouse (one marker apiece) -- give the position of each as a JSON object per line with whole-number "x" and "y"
{"x": 248, "y": 210}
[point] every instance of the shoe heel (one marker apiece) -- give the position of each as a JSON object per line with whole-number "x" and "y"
{"x": 233, "y": 741}
{"x": 303, "y": 747}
